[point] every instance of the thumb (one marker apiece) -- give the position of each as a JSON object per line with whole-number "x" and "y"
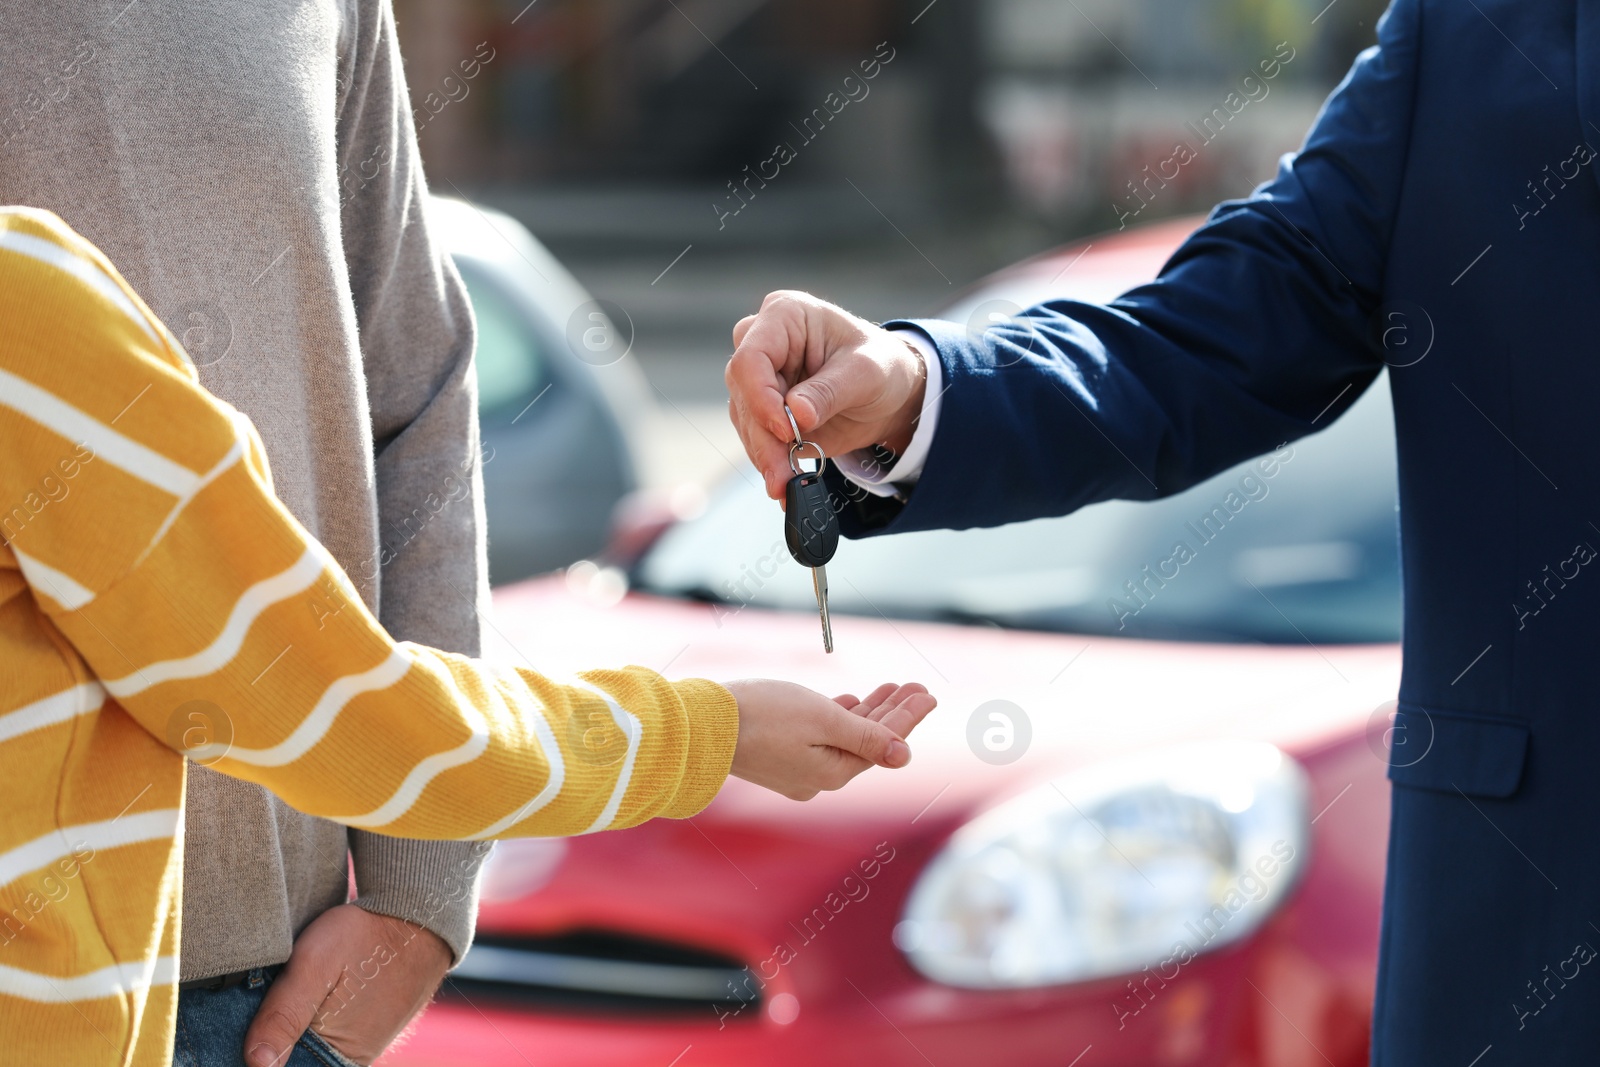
{"x": 872, "y": 741}
{"x": 285, "y": 1014}
{"x": 825, "y": 394}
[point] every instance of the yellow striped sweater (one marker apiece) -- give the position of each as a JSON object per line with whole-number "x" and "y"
{"x": 155, "y": 598}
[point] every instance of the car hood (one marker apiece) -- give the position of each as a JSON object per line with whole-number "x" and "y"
{"x": 1086, "y": 698}
{"x": 734, "y": 875}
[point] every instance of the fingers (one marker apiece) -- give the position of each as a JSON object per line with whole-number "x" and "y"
{"x": 795, "y": 338}
{"x": 908, "y": 713}
{"x": 891, "y": 704}
{"x": 741, "y": 328}
{"x": 874, "y": 702}
{"x": 285, "y": 1013}
{"x": 869, "y": 740}
{"x": 897, "y": 710}
{"x": 769, "y": 355}
{"x": 754, "y": 387}
{"x": 848, "y": 702}
{"x": 891, "y": 701}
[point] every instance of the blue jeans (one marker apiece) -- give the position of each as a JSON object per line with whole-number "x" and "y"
{"x": 211, "y": 1027}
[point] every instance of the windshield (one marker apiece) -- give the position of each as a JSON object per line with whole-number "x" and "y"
{"x": 1299, "y": 546}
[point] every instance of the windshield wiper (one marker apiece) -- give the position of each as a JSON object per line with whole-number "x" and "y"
{"x": 700, "y": 594}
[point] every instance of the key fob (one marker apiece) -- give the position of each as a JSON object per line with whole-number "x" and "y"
{"x": 810, "y": 526}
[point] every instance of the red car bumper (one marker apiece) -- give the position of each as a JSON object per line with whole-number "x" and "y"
{"x": 1297, "y": 992}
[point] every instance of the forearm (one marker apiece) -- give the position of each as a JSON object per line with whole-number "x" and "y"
{"x": 392, "y": 737}
{"x": 387, "y": 736}
{"x": 179, "y": 577}
{"x": 1080, "y": 403}
{"x": 431, "y": 884}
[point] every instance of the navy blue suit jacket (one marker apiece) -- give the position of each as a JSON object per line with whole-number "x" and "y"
{"x": 1450, "y": 178}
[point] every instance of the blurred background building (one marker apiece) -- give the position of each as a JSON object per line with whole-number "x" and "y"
{"x": 640, "y": 139}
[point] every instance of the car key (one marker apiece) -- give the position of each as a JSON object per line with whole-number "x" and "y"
{"x": 810, "y": 526}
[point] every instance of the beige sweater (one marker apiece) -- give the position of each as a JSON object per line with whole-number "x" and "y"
{"x": 251, "y": 168}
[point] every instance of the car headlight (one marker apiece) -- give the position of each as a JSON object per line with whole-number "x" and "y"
{"x": 1106, "y": 870}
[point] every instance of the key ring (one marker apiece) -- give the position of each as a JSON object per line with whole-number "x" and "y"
{"x": 800, "y": 445}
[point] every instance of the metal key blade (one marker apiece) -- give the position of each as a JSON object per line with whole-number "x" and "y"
{"x": 819, "y": 580}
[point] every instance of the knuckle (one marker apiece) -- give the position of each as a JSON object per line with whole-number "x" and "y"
{"x": 788, "y": 303}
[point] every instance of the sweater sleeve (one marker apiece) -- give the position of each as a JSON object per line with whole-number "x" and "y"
{"x": 186, "y": 586}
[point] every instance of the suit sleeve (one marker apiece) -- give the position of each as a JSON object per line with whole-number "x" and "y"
{"x": 1255, "y": 333}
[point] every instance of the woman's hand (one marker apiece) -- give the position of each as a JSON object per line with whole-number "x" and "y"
{"x": 798, "y": 742}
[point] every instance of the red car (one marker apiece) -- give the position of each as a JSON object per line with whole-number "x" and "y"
{"x": 1147, "y": 824}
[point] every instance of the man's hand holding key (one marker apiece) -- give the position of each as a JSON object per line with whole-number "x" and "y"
{"x": 850, "y": 384}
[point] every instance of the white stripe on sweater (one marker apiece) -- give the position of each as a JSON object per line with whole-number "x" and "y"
{"x": 85, "y": 270}
{"x": 551, "y": 788}
{"x": 58, "y": 416}
{"x": 227, "y": 462}
{"x": 67, "y": 840}
{"x": 119, "y": 979}
{"x": 43, "y": 578}
{"x": 430, "y": 768}
{"x": 252, "y": 602}
{"x": 316, "y": 725}
{"x": 58, "y": 707}
{"x": 633, "y": 730}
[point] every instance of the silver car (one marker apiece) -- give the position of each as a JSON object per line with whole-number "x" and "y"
{"x": 559, "y": 394}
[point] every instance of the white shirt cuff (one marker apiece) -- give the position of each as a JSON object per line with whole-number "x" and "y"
{"x": 862, "y": 469}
